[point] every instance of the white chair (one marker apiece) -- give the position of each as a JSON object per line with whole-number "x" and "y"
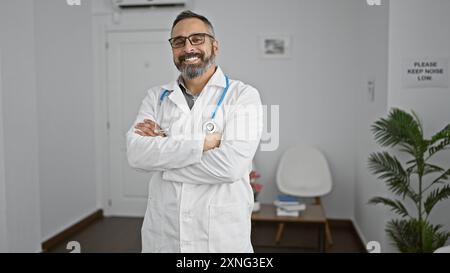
{"x": 444, "y": 249}
{"x": 303, "y": 171}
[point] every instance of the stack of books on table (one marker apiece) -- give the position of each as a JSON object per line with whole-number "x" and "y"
{"x": 289, "y": 206}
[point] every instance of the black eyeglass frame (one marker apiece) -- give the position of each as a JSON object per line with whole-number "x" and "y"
{"x": 189, "y": 38}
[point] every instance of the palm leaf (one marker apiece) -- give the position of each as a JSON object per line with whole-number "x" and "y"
{"x": 398, "y": 127}
{"x": 443, "y": 145}
{"x": 442, "y": 134}
{"x": 444, "y": 176}
{"x": 406, "y": 235}
{"x": 440, "y": 179}
{"x": 389, "y": 169}
{"x": 394, "y": 205}
{"x": 436, "y": 196}
{"x": 406, "y": 148}
{"x": 433, "y": 238}
{"x": 430, "y": 168}
{"x": 417, "y": 119}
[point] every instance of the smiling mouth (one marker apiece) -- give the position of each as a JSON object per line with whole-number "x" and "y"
{"x": 192, "y": 59}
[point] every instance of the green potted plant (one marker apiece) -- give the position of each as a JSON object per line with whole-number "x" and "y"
{"x": 417, "y": 180}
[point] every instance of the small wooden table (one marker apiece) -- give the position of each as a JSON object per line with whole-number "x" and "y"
{"x": 313, "y": 214}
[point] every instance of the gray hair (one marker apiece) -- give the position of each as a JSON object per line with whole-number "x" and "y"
{"x": 189, "y": 14}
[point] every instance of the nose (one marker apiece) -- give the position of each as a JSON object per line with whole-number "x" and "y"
{"x": 188, "y": 47}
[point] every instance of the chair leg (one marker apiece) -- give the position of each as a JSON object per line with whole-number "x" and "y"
{"x": 317, "y": 201}
{"x": 328, "y": 234}
{"x": 329, "y": 238}
{"x": 279, "y": 233}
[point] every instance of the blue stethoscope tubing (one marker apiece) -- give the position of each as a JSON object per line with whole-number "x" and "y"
{"x": 224, "y": 92}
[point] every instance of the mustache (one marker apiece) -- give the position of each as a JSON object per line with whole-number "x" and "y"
{"x": 190, "y": 55}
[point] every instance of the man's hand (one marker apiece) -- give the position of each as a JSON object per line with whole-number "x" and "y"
{"x": 149, "y": 128}
{"x": 211, "y": 141}
{"x": 152, "y": 129}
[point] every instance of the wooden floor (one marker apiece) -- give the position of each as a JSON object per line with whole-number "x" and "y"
{"x": 122, "y": 235}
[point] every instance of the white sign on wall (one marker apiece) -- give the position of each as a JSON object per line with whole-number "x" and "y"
{"x": 425, "y": 72}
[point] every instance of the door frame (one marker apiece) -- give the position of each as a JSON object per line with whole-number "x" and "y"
{"x": 103, "y": 24}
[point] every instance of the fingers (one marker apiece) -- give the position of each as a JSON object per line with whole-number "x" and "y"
{"x": 145, "y": 130}
{"x": 140, "y": 133}
{"x": 151, "y": 123}
{"x": 212, "y": 141}
{"x": 217, "y": 136}
{"x": 154, "y": 126}
{"x": 148, "y": 128}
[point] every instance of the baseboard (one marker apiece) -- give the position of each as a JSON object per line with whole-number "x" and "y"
{"x": 361, "y": 234}
{"x": 350, "y": 225}
{"x": 63, "y": 235}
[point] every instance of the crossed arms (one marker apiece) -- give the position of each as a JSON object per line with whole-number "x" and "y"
{"x": 206, "y": 159}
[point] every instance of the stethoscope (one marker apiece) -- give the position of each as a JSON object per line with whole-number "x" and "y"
{"x": 209, "y": 126}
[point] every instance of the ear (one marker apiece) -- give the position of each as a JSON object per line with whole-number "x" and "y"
{"x": 216, "y": 46}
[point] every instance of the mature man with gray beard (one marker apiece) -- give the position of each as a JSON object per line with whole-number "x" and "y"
{"x": 198, "y": 135}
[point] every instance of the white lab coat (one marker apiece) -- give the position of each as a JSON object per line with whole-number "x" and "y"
{"x": 198, "y": 202}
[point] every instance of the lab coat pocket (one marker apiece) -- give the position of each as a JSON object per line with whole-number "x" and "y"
{"x": 151, "y": 231}
{"x": 229, "y": 228}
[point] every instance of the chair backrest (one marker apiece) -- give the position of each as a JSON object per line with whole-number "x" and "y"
{"x": 444, "y": 249}
{"x": 303, "y": 171}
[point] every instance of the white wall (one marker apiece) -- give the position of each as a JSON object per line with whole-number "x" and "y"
{"x": 417, "y": 29}
{"x": 20, "y": 125}
{"x": 65, "y": 106}
{"x": 3, "y": 224}
{"x": 373, "y": 54}
{"x": 315, "y": 88}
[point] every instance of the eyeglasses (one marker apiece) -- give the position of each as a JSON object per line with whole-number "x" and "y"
{"x": 194, "y": 39}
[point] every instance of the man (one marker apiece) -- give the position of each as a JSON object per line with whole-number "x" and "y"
{"x": 198, "y": 135}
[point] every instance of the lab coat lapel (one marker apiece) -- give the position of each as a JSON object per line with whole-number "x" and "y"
{"x": 177, "y": 96}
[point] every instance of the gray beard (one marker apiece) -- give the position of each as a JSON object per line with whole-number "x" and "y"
{"x": 190, "y": 72}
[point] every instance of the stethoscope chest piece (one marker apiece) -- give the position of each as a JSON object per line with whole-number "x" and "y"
{"x": 209, "y": 127}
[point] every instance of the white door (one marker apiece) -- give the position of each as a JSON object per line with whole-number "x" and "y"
{"x": 136, "y": 62}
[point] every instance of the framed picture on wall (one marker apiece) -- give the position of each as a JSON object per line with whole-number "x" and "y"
{"x": 275, "y": 46}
